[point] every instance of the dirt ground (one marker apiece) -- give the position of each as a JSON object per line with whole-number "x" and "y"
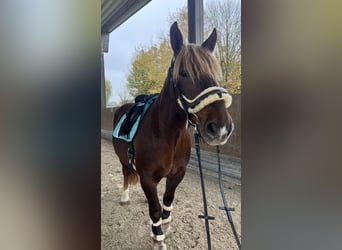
{"x": 128, "y": 227}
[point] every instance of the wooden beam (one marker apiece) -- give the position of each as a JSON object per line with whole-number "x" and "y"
{"x": 104, "y": 41}
{"x": 103, "y": 88}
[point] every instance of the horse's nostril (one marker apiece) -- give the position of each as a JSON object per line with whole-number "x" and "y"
{"x": 212, "y": 128}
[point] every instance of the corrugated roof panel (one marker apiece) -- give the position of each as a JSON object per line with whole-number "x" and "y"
{"x": 115, "y": 12}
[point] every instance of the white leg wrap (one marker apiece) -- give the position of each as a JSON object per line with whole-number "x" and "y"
{"x": 167, "y": 220}
{"x": 166, "y": 208}
{"x": 159, "y": 237}
{"x": 158, "y": 223}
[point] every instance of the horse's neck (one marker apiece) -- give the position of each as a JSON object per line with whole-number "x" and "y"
{"x": 171, "y": 116}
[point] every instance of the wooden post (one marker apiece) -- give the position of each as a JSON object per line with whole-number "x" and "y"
{"x": 195, "y": 21}
{"x": 104, "y": 49}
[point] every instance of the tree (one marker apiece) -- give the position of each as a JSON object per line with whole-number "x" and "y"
{"x": 149, "y": 68}
{"x": 226, "y": 17}
{"x": 181, "y": 17}
{"x": 124, "y": 98}
{"x": 108, "y": 89}
{"x": 150, "y": 64}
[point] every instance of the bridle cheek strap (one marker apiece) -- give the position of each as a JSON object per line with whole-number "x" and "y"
{"x": 206, "y": 97}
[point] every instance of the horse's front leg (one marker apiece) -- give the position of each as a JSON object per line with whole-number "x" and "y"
{"x": 171, "y": 184}
{"x": 150, "y": 189}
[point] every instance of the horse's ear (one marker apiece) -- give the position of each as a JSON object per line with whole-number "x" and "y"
{"x": 211, "y": 41}
{"x": 176, "y": 38}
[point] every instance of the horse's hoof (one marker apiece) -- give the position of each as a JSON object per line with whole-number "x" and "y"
{"x": 166, "y": 229}
{"x": 157, "y": 238}
{"x": 159, "y": 246}
{"x": 124, "y": 203}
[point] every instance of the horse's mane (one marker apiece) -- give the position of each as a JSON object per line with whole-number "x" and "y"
{"x": 196, "y": 60}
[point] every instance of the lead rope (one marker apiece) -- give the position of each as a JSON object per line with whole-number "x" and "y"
{"x": 226, "y": 208}
{"x": 206, "y": 217}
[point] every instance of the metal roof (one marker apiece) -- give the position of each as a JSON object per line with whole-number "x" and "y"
{"x": 115, "y": 12}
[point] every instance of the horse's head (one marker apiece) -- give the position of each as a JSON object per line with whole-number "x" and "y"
{"x": 195, "y": 76}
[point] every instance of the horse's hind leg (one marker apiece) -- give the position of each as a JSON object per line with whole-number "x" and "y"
{"x": 130, "y": 177}
{"x": 171, "y": 184}
{"x": 125, "y": 193}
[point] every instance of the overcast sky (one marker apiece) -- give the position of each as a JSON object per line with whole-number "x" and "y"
{"x": 142, "y": 29}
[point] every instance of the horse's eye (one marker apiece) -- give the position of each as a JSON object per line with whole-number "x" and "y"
{"x": 183, "y": 73}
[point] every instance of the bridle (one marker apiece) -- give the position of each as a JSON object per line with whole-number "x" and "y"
{"x": 191, "y": 107}
{"x": 206, "y": 97}
{"x": 203, "y": 99}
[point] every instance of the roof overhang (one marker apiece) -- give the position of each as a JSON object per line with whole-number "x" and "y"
{"x": 115, "y": 12}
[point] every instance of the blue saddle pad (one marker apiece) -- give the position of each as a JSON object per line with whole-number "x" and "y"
{"x": 127, "y": 127}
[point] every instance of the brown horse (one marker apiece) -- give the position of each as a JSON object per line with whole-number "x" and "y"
{"x": 162, "y": 143}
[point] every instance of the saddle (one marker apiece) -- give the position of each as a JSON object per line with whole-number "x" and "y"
{"x": 128, "y": 125}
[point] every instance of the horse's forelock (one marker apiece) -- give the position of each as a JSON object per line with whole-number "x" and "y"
{"x": 196, "y": 61}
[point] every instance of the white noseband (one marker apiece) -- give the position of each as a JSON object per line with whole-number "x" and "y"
{"x": 203, "y": 99}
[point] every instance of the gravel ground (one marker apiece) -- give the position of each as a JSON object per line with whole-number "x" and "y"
{"x": 128, "y": 226}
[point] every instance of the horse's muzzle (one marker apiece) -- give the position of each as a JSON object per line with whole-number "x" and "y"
{"x": 215, "y": 135}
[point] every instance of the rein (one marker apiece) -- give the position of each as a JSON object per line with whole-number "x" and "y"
{"x": 206, "y": 217}
{"x": 191, "y": 107}
{"x": 225, "y": 207}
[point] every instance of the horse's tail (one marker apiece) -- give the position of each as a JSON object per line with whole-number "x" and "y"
{"x": 128, "y": 171}
{"x": 131, "y": 174}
